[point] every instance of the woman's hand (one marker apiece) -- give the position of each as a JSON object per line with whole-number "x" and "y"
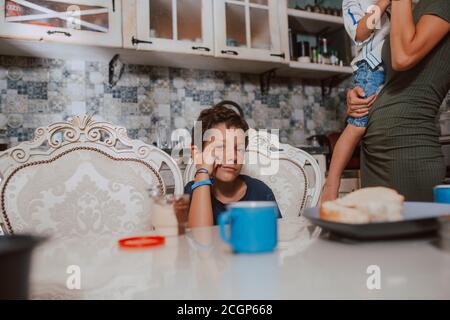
{"x": 357, "y": 105}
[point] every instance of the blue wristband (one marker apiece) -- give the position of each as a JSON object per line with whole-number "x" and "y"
{"x": 201, "y": 183}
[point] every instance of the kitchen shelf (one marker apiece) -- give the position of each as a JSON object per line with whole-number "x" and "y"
{"x": 66, "y": 51}
{"x": 313, "y": 70}
{"x": 314, "y": 23}
{"x": 44, "y": 49}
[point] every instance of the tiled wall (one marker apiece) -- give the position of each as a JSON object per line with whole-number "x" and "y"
{"x": 35, "y": 92}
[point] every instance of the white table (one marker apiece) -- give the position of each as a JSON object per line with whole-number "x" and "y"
{"x": 199, "y": 266}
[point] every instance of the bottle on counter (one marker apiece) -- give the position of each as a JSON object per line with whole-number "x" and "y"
{"x": 325, "y": 54}
{"x": 317, "y": 8}
{"x": 314, "y": 55}
{"x": 334, "y": 57}
{"x": 304, "y": 51}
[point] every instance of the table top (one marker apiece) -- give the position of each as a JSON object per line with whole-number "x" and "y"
{"x": 198, "y": 265}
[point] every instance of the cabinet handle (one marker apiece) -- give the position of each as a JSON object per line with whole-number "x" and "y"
{"x": 232, "y": 52}
{"x": 201, "y": 48}
{"x": 135, "y": 41}
{"x": 281, "y": 55}
{"x": 114, "y": 5}
{"x": 51, "y": 32}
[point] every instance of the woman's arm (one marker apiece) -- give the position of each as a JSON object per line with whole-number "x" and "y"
{"x": 410, "y": 43}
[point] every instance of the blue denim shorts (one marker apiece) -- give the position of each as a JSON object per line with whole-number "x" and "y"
{"x": 371, "y": 81}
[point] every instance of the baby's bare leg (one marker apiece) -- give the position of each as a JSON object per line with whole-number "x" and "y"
{"x": 342, "y": 154}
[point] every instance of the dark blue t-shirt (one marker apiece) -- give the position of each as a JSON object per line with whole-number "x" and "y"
{"x": 256, "y": 191}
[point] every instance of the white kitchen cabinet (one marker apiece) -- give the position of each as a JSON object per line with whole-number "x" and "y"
{"x": 248, "y": 29}
{"x": 177, "y": 26}
{"x": 92, "y": 22}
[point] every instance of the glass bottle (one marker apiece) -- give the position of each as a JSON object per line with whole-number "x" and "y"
{"x": 315, "y": 55}
{"x": 317, "y": 8}
{"x": 324, "y": 52}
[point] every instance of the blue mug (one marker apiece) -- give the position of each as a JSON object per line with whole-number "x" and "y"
{"x": 253, "y": 226}
{"x": 442, "y": 193}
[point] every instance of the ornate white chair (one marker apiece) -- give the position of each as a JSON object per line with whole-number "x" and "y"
{"x": 293, "y": 175}
{"x": 81, "y": 177}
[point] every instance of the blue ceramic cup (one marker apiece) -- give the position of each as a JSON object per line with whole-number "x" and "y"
{"x": 442, "y": 193}
{"x": 253, "y": 226}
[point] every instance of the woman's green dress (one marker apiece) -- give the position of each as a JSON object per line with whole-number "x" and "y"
{"x": 401, "y": 146}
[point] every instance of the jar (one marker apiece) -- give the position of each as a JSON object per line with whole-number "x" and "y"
{"x": 12, "y": 9}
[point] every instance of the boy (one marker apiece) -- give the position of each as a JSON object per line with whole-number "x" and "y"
{"x": 368, "y": 31}
{"x": 218, "y": 181}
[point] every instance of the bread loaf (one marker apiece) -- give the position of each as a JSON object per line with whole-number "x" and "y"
{"x": 367, "y": 205}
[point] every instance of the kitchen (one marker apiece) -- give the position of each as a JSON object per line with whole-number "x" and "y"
{"x": 163, "y": 93}
{"x": 152, "y": 67}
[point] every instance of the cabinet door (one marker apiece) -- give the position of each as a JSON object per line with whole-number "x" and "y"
{"x": 95, "y": 22}
{"x": 248, "y": 29}
{"x": 183, "y": 26}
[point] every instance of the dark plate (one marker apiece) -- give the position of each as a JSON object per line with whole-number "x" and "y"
{"x": 419, "y": 218}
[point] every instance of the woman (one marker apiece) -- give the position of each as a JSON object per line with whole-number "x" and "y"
{"x": 401, "y": 146}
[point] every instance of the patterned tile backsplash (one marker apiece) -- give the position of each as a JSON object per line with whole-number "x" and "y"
{"x": 35, "y": 92}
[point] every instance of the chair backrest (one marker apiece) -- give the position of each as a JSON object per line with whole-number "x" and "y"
{"x": 81, "y": 177}
{"x": 293, "y": 175}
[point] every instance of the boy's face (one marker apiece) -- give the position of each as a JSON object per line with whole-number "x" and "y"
{"x": 227, "y": 146}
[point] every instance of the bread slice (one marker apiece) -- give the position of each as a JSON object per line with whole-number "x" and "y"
{"x": 367, "y": 205}
{"x": 333, "y": 211}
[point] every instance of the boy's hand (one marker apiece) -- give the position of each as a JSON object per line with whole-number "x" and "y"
{"x": 205, "y": 160}
{"x": 357, "y": 105}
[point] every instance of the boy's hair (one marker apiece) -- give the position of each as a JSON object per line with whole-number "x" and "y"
{"x": 209, "y": 118}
